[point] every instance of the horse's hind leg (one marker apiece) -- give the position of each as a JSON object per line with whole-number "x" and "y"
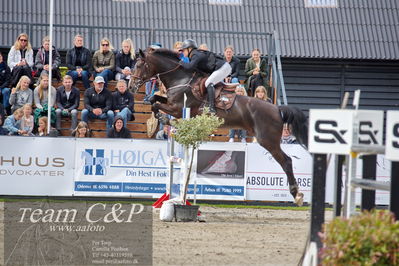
{"x": 286, "y": 163}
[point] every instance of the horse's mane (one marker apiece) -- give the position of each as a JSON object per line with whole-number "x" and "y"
{"x": 167, "y": 53}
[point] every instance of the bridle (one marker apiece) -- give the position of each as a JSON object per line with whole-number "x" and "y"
{"x": 141, "y": 81}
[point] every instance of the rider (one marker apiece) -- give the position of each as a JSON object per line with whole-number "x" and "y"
{"x": 206, "y": 62}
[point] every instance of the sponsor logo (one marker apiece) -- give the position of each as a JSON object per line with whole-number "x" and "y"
{"x": 94, "y": 162}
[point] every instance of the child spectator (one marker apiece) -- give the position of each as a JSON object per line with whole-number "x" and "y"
{"x": 123, "y": 102}
{"x": 241, "y": 133}
{"x": 82, "y": 130}
{"x": 78, "y": 60}
{"x": 13, "y": 123}
{"x": 21, "y": 94}
{"x": 255, "y": 69}
{"x": 125, "y": 61}
{"x": 20, "y": 59}
{"x": 27, "y": 124}
{"x": 234, "y": 63}
{"x": 5, "y": 78}
{"x": 42, "y": 128}
{"x": 118, "y": 130}
{"x": 104, "y": 61}
{"x": 67, "y": 99}
{"x": 98, "y": 103}
{"x": 261, "y": 93}
{"x": 42, "y": 60}
{"x": 287, "y": 137}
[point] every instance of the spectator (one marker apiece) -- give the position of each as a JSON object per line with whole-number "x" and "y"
{"x": 287, "y": 137}
{"x": 255, "y": 69}
{"x": 203, "y": 47}
{"x": 163, "y": 93}
{"x": 40, "y": 99}
{"x": 78, "y": 60}
{"x": 98, "y": 103}
{"x": 42, "y": 128}
{"x": 261, "y": 93}
{"x": 82, "y": 130}
{"x": 68, "y": 98}
{"x": 20, "y": 59}
{"x": 177, "y": 47}
{"x": 13, "y": 123}
{"x": 27, "y": 124}
{"x": 163, "y": 133}
{"x": 234, "y": 63}
{"x": 5, "y": 78}
{"x": 40, "y": 94}
{"x": 125, "y": 61}
{"x": 241, "y": 133}
{"x": 154, "y": 46}
{"x": 42, "y": 60}
{"x": 21, "y": 94}
{"x": 104, "y": 61}
{"x": 2, "y": 115}
{"x": 3, "y": 131}
{"x": 151, "y": 87}
{"x": 118, "y": 130}
{"x": 123, "y": 102}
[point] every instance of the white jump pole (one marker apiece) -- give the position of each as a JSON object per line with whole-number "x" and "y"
{"x": 50, "y": 65}
{"x": 186, "y": 156}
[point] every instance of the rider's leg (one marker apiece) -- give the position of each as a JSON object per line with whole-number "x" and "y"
{"x": 216, "y": 77}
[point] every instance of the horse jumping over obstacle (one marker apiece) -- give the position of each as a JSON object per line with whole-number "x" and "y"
{"x": 258, "y": 117}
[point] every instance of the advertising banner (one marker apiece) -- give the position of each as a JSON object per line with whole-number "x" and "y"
{"x": 266, "y": 179}
{"x": 36, "y": 166}
{"x": 121, "y": 167}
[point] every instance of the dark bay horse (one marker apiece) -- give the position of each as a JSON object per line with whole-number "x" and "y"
{"x": 258, "y": 117}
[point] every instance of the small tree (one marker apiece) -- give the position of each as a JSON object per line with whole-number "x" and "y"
{"x": 192, "y": 132}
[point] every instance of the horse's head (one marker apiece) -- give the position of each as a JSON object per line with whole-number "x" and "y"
{"x": 142, "y": 73}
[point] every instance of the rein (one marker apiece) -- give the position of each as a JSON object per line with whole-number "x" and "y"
{"x": 188, "y": 84}
{"x": 158, "y": 74}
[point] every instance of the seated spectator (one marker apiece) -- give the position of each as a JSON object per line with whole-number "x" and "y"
{"x": 104, "y": 61}
{"x": 163, "y": 133}
{"x": 177, "y": 47}
{"x": 78, "y": 61}
{"x": 3, "y": 131}
{"x": 20, "y": 59}
{"x": 241, "y": 133}
{"x": 203, "y": 47}
{"x": 42, "y": 60}
{"x": 42, "y": 128}
{"x": 287, "y": 137}
{"x": 27, "y": 124}
{"x": 123, "y": 102}
{"x": 13, "y": 123}
{"x": 125, "y": 61}
{"x": 40, "y": 99}
{"x": 261, "y": 93}
{"x": 21, "y": 94}
{"x": 154, "y": 46}
{"x": 255, "y": 69}
{"x": 67, "y": 100}
{"x": 5, "y": 78}
{"x": 98, "y": 103}
{"x": 118, "y": 130}
{"x": 163, "y": 93}
{"x": 234, "y": 63}
{"x": 2, "y": 114}
{"x": 82, "y": 130}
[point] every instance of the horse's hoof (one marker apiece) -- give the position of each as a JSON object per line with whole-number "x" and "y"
{"x": 299, "y": 199}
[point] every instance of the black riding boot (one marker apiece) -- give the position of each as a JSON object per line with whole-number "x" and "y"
{"x": 211, "y": 98}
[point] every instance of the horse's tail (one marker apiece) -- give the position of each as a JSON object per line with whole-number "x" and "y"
{"x": 294, "y": 117}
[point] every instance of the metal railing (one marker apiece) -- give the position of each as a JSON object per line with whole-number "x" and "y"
{"x": 243, "y": 42}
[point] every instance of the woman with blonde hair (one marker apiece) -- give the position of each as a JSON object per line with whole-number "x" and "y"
{"x": 256, "y": 70}
{"x": 82, "y": 130}
{"x": 42, "y": 128}
{"x": 40, "y": 98}
{"x": 125, "y": 60}
{"x": 21, "y": 94}
{"x": 20, "y": 59}
{"x": 261, "y": 93}
{"x": 104, "y": 61}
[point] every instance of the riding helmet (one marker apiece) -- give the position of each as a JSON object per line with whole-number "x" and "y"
{"x": 189, "y": 44}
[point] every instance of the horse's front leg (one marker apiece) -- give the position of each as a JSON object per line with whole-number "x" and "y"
{"x": 173, "y": 110}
